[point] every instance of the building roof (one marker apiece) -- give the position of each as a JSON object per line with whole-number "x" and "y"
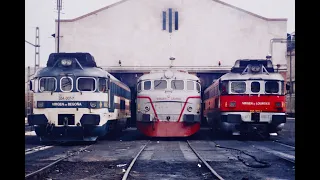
{"x": 218, "y": 1}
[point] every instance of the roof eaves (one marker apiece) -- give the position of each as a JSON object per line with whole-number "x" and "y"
{"x": 218, "y": 1}
{"x": 92, "y": 13}
{"x": 245, "y": 11}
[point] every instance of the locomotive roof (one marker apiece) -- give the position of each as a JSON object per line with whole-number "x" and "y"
{"x": 176, "y": 74}
{"x": 237, "y": 76}
{"x": 241, "y": 64}
{"x": 85, "y": 72}
{"x": 84, "y": 58}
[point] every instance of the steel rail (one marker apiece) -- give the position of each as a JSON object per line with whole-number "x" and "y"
{"x": 125, "y": 176}
{"x": 53, "y": 163}
{"x": 205, "y": 162}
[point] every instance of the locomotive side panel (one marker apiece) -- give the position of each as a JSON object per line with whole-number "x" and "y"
{"x": 212, "y": 103}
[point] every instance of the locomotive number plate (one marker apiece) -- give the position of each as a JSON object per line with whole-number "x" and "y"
{"x": 66, "y": 97}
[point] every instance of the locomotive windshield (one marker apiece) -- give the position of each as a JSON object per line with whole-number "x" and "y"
{"x": 238, "y": 87}
{"x": 189, "y": 85}
{"x": 86, "y": 84}
{"x": 160, "y": 84}
{"x": 66, "y": 84}
{"x": 48, "y": 84}
{"x": 272, "y": 87}
{"x": 177, "y": 84}
{"x": 147, "y": 85}
{"x": 255, "y": 87}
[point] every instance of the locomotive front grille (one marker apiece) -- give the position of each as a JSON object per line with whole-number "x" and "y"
{"x": 168, "y": 108}
{"x": 66, "y": 119}
{"x": 168, "y": 117}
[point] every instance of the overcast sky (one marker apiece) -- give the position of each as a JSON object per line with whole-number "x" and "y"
{"x": 42, "y": 13}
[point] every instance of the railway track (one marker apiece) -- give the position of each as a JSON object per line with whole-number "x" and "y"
{"x": 44, "y": 169}
{"x": 42, "y": 147}
{"x": 37, "y": 148}
{"x": 284, "y": 156}
{"x": 213, "y": 172}
{"x": 279, "y": 154}
{"x": 284, "y": 144}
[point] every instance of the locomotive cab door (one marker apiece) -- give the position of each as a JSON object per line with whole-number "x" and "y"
{"x": 30, "y": 86}
{"x": 111, "y": 95}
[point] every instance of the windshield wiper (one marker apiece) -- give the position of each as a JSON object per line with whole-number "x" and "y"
{"x": 65, "y": 84}
{"x": 174, "y": 83}
{"x": 158, "y": 84}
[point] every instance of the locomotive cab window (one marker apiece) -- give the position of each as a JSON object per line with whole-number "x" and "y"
{"x": 223, "y": 87}
{"x": 139, "y": 87}
{"x": 48, "y": 84}
{"x": 66, "y": 84}
{"x": 103, "y": 86}
{"x": 160, "y": 84}
{"x": 86, "y": 84}
{"x": 190, "y": 85}
{"x": 198, "y": 87}
{"x": 147, "y": 85}
{"x": 272, "y": 87}
{"x": 177, "y": 84}
{"x": 255, "y": 87}
{"x": 238, "y": 87}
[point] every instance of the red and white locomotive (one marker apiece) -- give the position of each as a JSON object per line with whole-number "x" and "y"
{"x": 251, "y": 98}
{"x": 168, "y": 104}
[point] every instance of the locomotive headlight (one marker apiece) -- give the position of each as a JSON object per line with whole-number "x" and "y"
{"x": 69, "y": 62}
{"x": 278, "y": 104}
{"x": 40, "y": 104}
{"x": 168, "y": 74}
{"x": 189, "y": 109}
{"x": 147, "y": 108}
{"x": 64, "y": 62}
{"x": 232, "y": 104}
{"x": 255, "y": 68}
{"x": 93, "y": 104}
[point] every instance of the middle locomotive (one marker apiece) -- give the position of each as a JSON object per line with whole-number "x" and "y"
{"x": 168, "y": 104}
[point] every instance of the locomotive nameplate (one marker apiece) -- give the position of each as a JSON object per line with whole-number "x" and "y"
{"x": 67, "y": 104}
{"x": 169, "y": 98}
{"x": 256, "y": 103}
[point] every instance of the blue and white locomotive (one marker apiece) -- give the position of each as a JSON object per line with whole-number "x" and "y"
{"x": 76, "y": 100}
